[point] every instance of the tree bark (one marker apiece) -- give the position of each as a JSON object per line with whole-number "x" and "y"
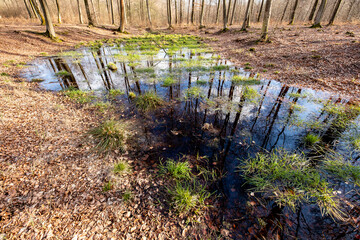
{"x": 246, "y": 22}
{"x": 176, "y": 12}
{"x": 319, "y": 14}
{"x": 233, "y": 13}
{"x": 37, "y": 11}
{"x": 169, "y": 13}
{"x": 313, "y": 9}
{"x": 80, "y": 12}
{"x": 58, "y": 11}
{"x": 293, "y": 11}
{"x": 225, "y": 20}
{"x": 181, "y": 11}
{"x": 260, "y": 11}
{"x": 28, "y": 10}
{"x": 217, "y": 12}
{"x": 266, "y": 21}
{"x": 111, "y": 3}
{"x": 49, "y": 26}
{"x": 148, "y": 13}
{"x": 90, "y": 17}
{"x": 333, "y": 15}
{"x": 284, "y": 12}
{"x": 202, "y": 14}
{"x": 122, "y": 16}
{"x": 192, "y": 11}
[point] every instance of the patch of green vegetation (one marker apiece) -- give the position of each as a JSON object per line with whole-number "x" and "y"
{"x": 220, "y": 68}
{"x": 350, "y": 34}
{"x": 193, "y": 92}
{"x": 297, "y": 95}
{"x": 37, "y": 80}
{"x": 109, "y": 135}
{"x": 342, "y": 170}
{"x": 148, "y": 101}
{"x": 62, "y": 73}
{"x": 112, "y": 66}
{"x": 289, "y": 179}
{"x": 311, "y": 139}
{"x": 127, "y": 196}
{"x": 113, "y": 93}
{"x": 186, "y": 197}
{"x": 132, "y": 95}
{"x": 269, "y": 65}
{"x": 72, "y": 54}
{"x": 248, "y": 67}
{"x": 102, "y": 106}
{"x": 296, "y": 107}
{"x": 201, "y": 82}
{"x": 264, "y": 70}
{"x": 276, "y": 72}
{"x": 4, "y": 74}
{"x": 107, "y": 186}
{"x": 145, "y": 70}
{"x": 176, "y": 169}
{"x": 251, "y": 94}
{"x": 78, "y": 95}
{"x": 316, "y": 56}
{"x": 244, "y": 80}
{"x": 122, "y": 167}
{"x": 356, "y": 143}
{"x": 134, "y": 64}
{"x": 44, "y": 54}
{"x": 169, "y": 81}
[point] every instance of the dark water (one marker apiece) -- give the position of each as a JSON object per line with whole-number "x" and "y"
{"x": 219, "y": 121}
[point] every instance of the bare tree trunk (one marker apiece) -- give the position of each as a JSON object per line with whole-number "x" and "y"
{"x": 217, "y": 12}
{"x": 284, "y": 12}
{"x": 202, "y": 14}
{"x": 192, "y": 11}
{"x": 94, "y": 12}
{"x": 111, "y": 3}
{"x": 169, "y": 14}
{"x": 233, "y": 13}
{"x": 176, "y": 12}
{"x": 228, "y": 12}
{"x": 246, "y": 22}
{"x": 319, "y": 14}
{"x": 266, "y": 21}
{"x": 89, "y": 14}
{"x": 33, "y": 9}
{"x": 49, "y": 26}
{"x": 293, "y": 11}
{"x": 80, "y": 12}
{"x": 333, "y": 15}
{"x": 350, "y": 10}
{"x": 37, "y": 11}
{"x": 148, "y": 13}
{"x": 313, "y": 9}
{"x": 181, "y": 11}
{"x": 122, "y": 16}
{"x": 260, "y": 11}
{"x": 225, "y": 20}
{"x": 58, "y": 10}
{"x": 28, "y": 10}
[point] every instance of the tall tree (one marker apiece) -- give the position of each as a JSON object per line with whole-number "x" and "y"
{"x": 202, "y": 14}
{"x": 284, "y": 12}
{"x": 319, "y": 14}
{"x": 80, "y": 12}
{"x": 192, "y": 11}
{"x": 260, "y": 11}
{"x": 122, "y": 16}
{"x": 266, "y": 21}
{"x": 225, "y": 16}
{"x": 58, "y": 11}
{"x": 37, "y": 11}
{"x": 181, "y": 11}
{"x": 111, "y": 3}
{"x": 90, "y": 17}
{"x": 336, "y": 10}
{"x": 169, "y": 13}
{"x": 148, "y": 13}
{"x": 246, "y": 22}
{"x": 217, "y": 12}
{"x": 293, "y": 11}
{"x": 49, "y": 26}
{"x": 28, "y": 10}
{"x": 313, "y": 9}
{"x": 233, "y": 13}
{"x": 176, "y": 12}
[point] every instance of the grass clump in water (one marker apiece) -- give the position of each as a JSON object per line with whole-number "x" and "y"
{"x": 244, "y": 80}
{"x": 297, "y": 95}
{"x": 62, "y": 73}
{"x": 169, "y": 81}
{"x": 342, "y": 170}
{"x": 176, "y": 169}
{"x": 186, "y": 197}
{"x": 145, "y": 70}
{"x": 148, "y": 101}
{"x": 193, "y": 92}
{"x": 113, "y": 93}
{"x": 78, "y": 95}
{"x": 109, "y": 136}
{"x": 122, "y": 167}
{"x": 251, "y": 94}
{"x": 220, "y": 68}
{"x": 290, "y": 179}
{"x": 311, "y": 139}
{"x": 112, "y": 66}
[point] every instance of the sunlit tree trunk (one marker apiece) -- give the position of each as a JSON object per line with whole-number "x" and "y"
{"x": 58, "y": 10}
{"x": 246, "y": 22}
{"x": 336, "y": 10}
{"x": 176, "y": 12}
{"x": 122, "y": 16}
{"x": 233, "y": 13}
{"x": 181, "y": 11}
{"x": 266, "y": 21}
{"x": 313, "y": 9}
{"x": 148, "y": 13}
{"x": 228, "y": 12}
{"x": 80, "y": 12}
{"x": 293, "y": 11}
{"x": 49, "y": 26}
{"x": 111, "y": 3}
{"x": 319, "y": 14}
{"x": 225, "y": 16}
{"x": 202, "y": 14}
{"x": 169, "y": 13}
{"x": 284, "y": 12}
{"x": 192, "y": 11}
{"x": 37, "y": 11}
{"x": 260, "y": 11}
{"x": 90, "y": 17}
{"x": 93, "y": 11}
{"x": 217, "y": 12}
{"x": 28, "y": 10}
{"x": 188, "y": 12}
{"x": 350, "y": 9}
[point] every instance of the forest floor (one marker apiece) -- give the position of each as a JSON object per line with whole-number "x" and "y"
{"x": 51, "y": 182}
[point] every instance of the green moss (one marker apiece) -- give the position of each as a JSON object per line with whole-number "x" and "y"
{"x": 112, "y": 66}
{"x": 132, "y": 95}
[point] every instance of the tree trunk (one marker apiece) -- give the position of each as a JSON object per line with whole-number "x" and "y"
{"x": 58, "y": 10}
{"x": 313, "y": 9}
{"x": 37, "y": 11}
{"x": 246, "y": 22}
{"x": 188, "y": 12}
{"x": 148, "y": 13}
{"x": 224, "y": 16}
{"x": 181, "y": 11}
{"x": 80, "y": 12}
{"x": 88, "y": 13}
{"x": 333, "y": 15}
{"x": 169, "y": 13}
{"x": 28, "y": 10}
{"x": 192, "y": 11}
{"x": 233, "y": 13}
{"x": 260, "y": 11}
{"x": 266, "y": 21}
{"x": 228, "y": 12}
{"x": 319, "y": 14}
{"x": 202, "y": 14}
{"x": 94, "y": 12}
{"x": 122, "y": 16}
{"x": 49, "y": 26}
{"x": 284, "y": 12}
{"x": 111, "y": 3}
{"x": 293, "y": 11}
{"x": 176, "y": 12}
{"x": 217, "y": 12}
{"x": 350, "y": 10}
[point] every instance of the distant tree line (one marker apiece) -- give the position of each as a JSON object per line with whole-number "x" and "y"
{"x": 178, "y": 12}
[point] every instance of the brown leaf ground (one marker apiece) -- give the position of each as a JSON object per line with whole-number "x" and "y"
{"x": 51, "y": 183}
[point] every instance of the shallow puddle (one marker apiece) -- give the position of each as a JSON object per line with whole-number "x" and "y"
{"x": 212, "y": 109}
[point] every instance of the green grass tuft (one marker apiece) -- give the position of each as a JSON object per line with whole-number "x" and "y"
{"x": 62, "y": 73}
{"x": 107, "y": 186}
{"x": 78, "y": 95}
{"x": 112, "y": 66}
{"x": 311, "y": 139}
{"x": 122, "y": 167}
{"x": 169, "y": 81}
{"x": 176, "y": 169}
{"x": 148, "y": 101}
{"x": 113, "y": 93}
